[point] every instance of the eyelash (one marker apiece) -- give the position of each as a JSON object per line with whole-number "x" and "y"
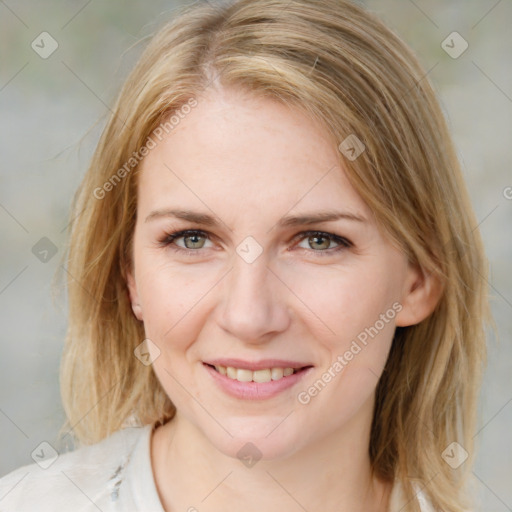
{"x": 169, "y": 238}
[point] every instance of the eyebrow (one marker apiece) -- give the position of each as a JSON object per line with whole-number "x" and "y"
{"x": 290, "y": 220}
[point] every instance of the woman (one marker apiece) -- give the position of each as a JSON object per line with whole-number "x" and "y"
{"x": 276, "y": 297}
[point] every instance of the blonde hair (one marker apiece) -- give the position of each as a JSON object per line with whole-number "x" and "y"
{"x": 342, "y": 66}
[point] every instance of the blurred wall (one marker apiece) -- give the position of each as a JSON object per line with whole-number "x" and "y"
{"x": 52, "y": 112}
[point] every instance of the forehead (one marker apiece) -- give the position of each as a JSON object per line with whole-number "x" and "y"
{"x": 234, "y": 148}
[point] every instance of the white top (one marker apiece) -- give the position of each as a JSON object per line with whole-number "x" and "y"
{"x": 112, "y": 475}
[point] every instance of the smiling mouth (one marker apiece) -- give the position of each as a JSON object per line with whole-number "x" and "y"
{"x": 263, "y": 375}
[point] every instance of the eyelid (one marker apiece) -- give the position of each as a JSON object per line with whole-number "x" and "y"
{"x": 341, "y": 240}
{"x": 168, "y": 238}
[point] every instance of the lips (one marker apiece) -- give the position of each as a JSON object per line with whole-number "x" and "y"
{"x": 256, "y": 379}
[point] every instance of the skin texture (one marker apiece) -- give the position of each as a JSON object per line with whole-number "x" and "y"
{"x": 248, "y": 162}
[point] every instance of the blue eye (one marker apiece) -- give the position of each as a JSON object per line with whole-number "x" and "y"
{"x": 192, "y": 241}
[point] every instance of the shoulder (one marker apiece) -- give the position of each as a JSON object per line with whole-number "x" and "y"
{"x": 81, "y": 476}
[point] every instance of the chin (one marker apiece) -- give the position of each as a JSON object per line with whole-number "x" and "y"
{"x": 256, "y": 438}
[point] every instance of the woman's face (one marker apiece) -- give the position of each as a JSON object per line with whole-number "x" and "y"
{"x": 258, "y": 283}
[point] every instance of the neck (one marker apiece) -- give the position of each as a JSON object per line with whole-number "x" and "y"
{"x": 333, "y": 474}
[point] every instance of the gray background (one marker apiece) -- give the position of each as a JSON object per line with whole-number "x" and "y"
{"x": 52, "y": 112}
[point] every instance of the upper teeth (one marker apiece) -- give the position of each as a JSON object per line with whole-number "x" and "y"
{"x": 244, "y": 375}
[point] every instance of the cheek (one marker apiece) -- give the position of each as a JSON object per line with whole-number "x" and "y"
{"x": 171, "y": 299}
{"x": 353, "y": 326}
{"x": 174, "y": 312}
{"x": 340, "y": 303}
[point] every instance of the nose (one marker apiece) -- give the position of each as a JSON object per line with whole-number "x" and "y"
{"x": 254, "y": 304}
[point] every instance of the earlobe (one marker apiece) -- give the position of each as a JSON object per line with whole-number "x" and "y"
{"x": 421, "y": 294}
{"x": 134, "y": 297}
{"x": 137, "y": 311}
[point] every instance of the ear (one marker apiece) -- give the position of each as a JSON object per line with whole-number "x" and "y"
{"x": 134, "y": 296}
{"x": 420, "y": 296}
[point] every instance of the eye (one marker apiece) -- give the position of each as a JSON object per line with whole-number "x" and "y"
{"x": 187, "y": 240}
{"x": 321, "y": 242}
